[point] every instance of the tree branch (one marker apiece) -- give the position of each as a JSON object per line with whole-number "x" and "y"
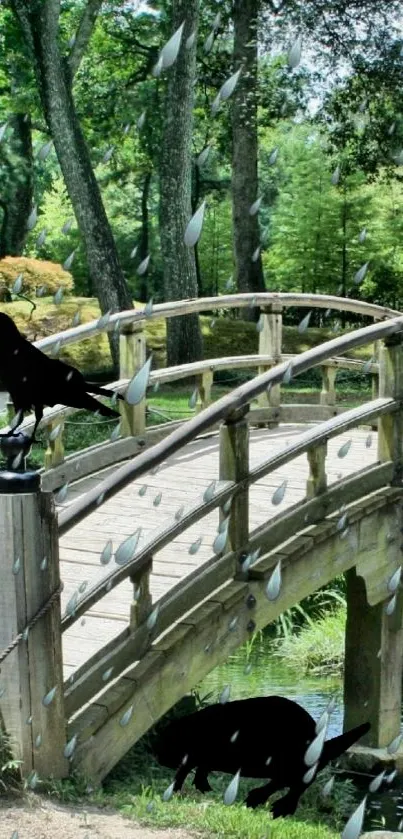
{"x": 83, "y": 35}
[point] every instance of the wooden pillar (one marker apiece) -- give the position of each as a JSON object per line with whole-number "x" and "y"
{"x": 54, "y": 454}
{"x": 328, "y": 392}
{"x": 373, "y": 665}
{"x": 317, "y": 480}
{"x": 374, "y": 640}
{"x": 205, "y": 383}
{"x": 270, "y": 343}
{"x": 142, "y": 602}
{"x": 390, "y": 426}
{"x": 132, "y": 355}
{"x": 234, "y": 466}
{"x": 28, "y": 528}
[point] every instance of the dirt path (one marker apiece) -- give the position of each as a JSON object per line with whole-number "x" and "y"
{"x": 39, "y": 818}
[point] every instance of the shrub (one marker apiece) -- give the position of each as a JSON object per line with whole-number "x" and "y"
{"x": 35, "y": 273}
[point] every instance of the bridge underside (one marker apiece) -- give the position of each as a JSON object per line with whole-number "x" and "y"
{"x": 368, "y": 549}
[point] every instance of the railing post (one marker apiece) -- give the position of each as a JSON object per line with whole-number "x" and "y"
{"x": 317, "y": 480}
{"x": 54, "y": 454}
{"x": 234, "y": 466}
{"x": 270, "y": 343}
{"x": 374, "y": 640}
{"x": 328, "y": 392}
{"x": 205, "y": 383}
{"x": 142, "y": 602}
{"x": 390, "y": 426}
{"x": 29, "y": 573}
{"x": 132, "y": 355}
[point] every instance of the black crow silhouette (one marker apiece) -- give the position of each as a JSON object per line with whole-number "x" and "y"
{"x": 263, "y": 737}
{"x": 33, "y": 380}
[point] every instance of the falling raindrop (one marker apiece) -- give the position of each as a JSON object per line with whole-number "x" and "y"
{"x": 353, "y": 827}
{"x": 314, "y": 751}
{"x": 157, "y": 499}
{"x": 208, "y": 44}
{"x": 344, "y": 449}
{"x": 49, "y": 697}
{"x": 17, "y": 566}
{"x": 108, "y": 154}
{"x": 304, "y": 323}
{"x": 138, "y": 386}
{"x": 44, "y": 563}
{"x": 194, "y": 228}
{"x": 288, "y": 374}
{"x": 195, "y": 545}
{"x": 360, "y": 274}
{"x": 152, "y": 618}
{"x": 201, "y": 159}
{"x": 41, "y": 238}
{"x": 294, "y": 55}
{"x": 234, "y": 736}
{"x": 368, "y": 441}
{"x": 58, "y": 297}
{"x": 390, "y": 607}
{"x": 215, "y": 106}
{"x": 142, "y": 268}
{"x": 32, "y": 218}
{"x": 170, "y": 51}
{"x": 126, "y": 717}
{"x": 141, "y": 120}
{"x": 179, "y": 512}
{"x": 193, "y": 399}
{"x": 231, "y": 792}
{"x": 336, "y": 176}
{"x": 394, "y": 581}
{"x": 362, "y": 236}
{"x": 220, "y": 540}
{"x": 169, "y": 792}
{"x": 3, "y": 129}
{"x": 256, "y": 254}
{"x": 309, "y": 775}
{"x": 260, "y": 324}
{"x": 61, "y": 495}
{"x": 67, "y": 226}
{"x": 143, "y": 490}
{"x": 376, "y": 782}
{"x": 279, "y": 493}
{"x": 190, "y": 41}
{"x": 273, "y": 586}
{"x": 394, "y": 745}
{"x": 273, "y": 157}
{"x": 209, "y": 492}
{"x": 70, "y": 746}
{"x": 127, "y": 548}
{"x": 229, "y": 86}
{"x": 225, "y": 693}
{"x": 148, "y": 308}
{"x": 107, "y": 674}
{"x": 115, "y": 433}
{"x": 255, "y": 207}
{"x": 17, "y": 286}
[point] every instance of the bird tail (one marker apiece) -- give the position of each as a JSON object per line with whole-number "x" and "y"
{"x": 102, "y": 391}
{"x": 335, "y": 747}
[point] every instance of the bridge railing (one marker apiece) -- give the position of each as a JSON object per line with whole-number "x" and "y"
{"x": 30, "y": 552}
{"x": 133, "y": 354}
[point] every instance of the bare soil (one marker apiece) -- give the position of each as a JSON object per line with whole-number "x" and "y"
{"x": 39, "y": 818}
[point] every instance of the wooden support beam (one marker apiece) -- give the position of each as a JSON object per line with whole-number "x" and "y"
{"x": 132, "y": 349}
{"x": 234, "y": 466}
{"x": 142, "y": 602}
{"x": 328, "y": 392}
{"x": 205, "y": 383}
{"x": 390, "y": 428}
{"x": 54, "y": 454}
{"x": 373, "y": 664}
{"x": 29, "y": 573}
{"x": 317, "y": 480}
{"x": 270, "y": 343}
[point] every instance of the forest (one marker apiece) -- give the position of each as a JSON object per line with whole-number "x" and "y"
{"x": 275, "y": 126}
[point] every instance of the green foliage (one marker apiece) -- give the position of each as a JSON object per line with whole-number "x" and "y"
{"x": 317, "y": 648}
{"x": 35, "y": 273}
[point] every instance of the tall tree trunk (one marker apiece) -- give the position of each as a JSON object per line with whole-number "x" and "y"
{"x": 17, "y": 204}
{"x": 248, "y": 273}
{"x": 40, "y": 22}
{"x": 144, "y": 237}
{"x": 184, "y": 341}
{"x": 344, "y": 254}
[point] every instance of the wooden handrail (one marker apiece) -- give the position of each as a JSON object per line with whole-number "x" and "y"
{"x": 147, "y": 460}
{"x": 182, "y": 371}
{"x": 313, "y": 437}
{"x": 228, "y": 301}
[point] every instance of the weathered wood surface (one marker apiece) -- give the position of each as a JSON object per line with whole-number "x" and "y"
{"x": 181, "y": 481}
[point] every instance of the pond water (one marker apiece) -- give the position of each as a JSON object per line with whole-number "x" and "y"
{"x": 262, "y": 674}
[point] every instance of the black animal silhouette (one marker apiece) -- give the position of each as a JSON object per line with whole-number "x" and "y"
{"x": 263, "y": 737}
{"x": 33, "y": 380}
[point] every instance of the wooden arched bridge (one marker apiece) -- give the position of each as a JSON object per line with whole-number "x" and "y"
{"x": 175, "y": 543}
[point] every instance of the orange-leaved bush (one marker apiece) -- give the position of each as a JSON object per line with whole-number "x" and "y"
{"x": 35, "y": 273}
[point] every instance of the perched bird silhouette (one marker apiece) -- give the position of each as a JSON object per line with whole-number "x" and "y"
{"x": 262, "y": 737}
{"x": 33, "y": 380}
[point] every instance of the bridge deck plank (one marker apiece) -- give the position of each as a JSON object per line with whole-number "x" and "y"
{"x": 181, "y": 481}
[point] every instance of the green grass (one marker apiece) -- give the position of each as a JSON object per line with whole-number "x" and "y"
{"x": 136, "y": 785}
{"x": 317, "y": 648}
